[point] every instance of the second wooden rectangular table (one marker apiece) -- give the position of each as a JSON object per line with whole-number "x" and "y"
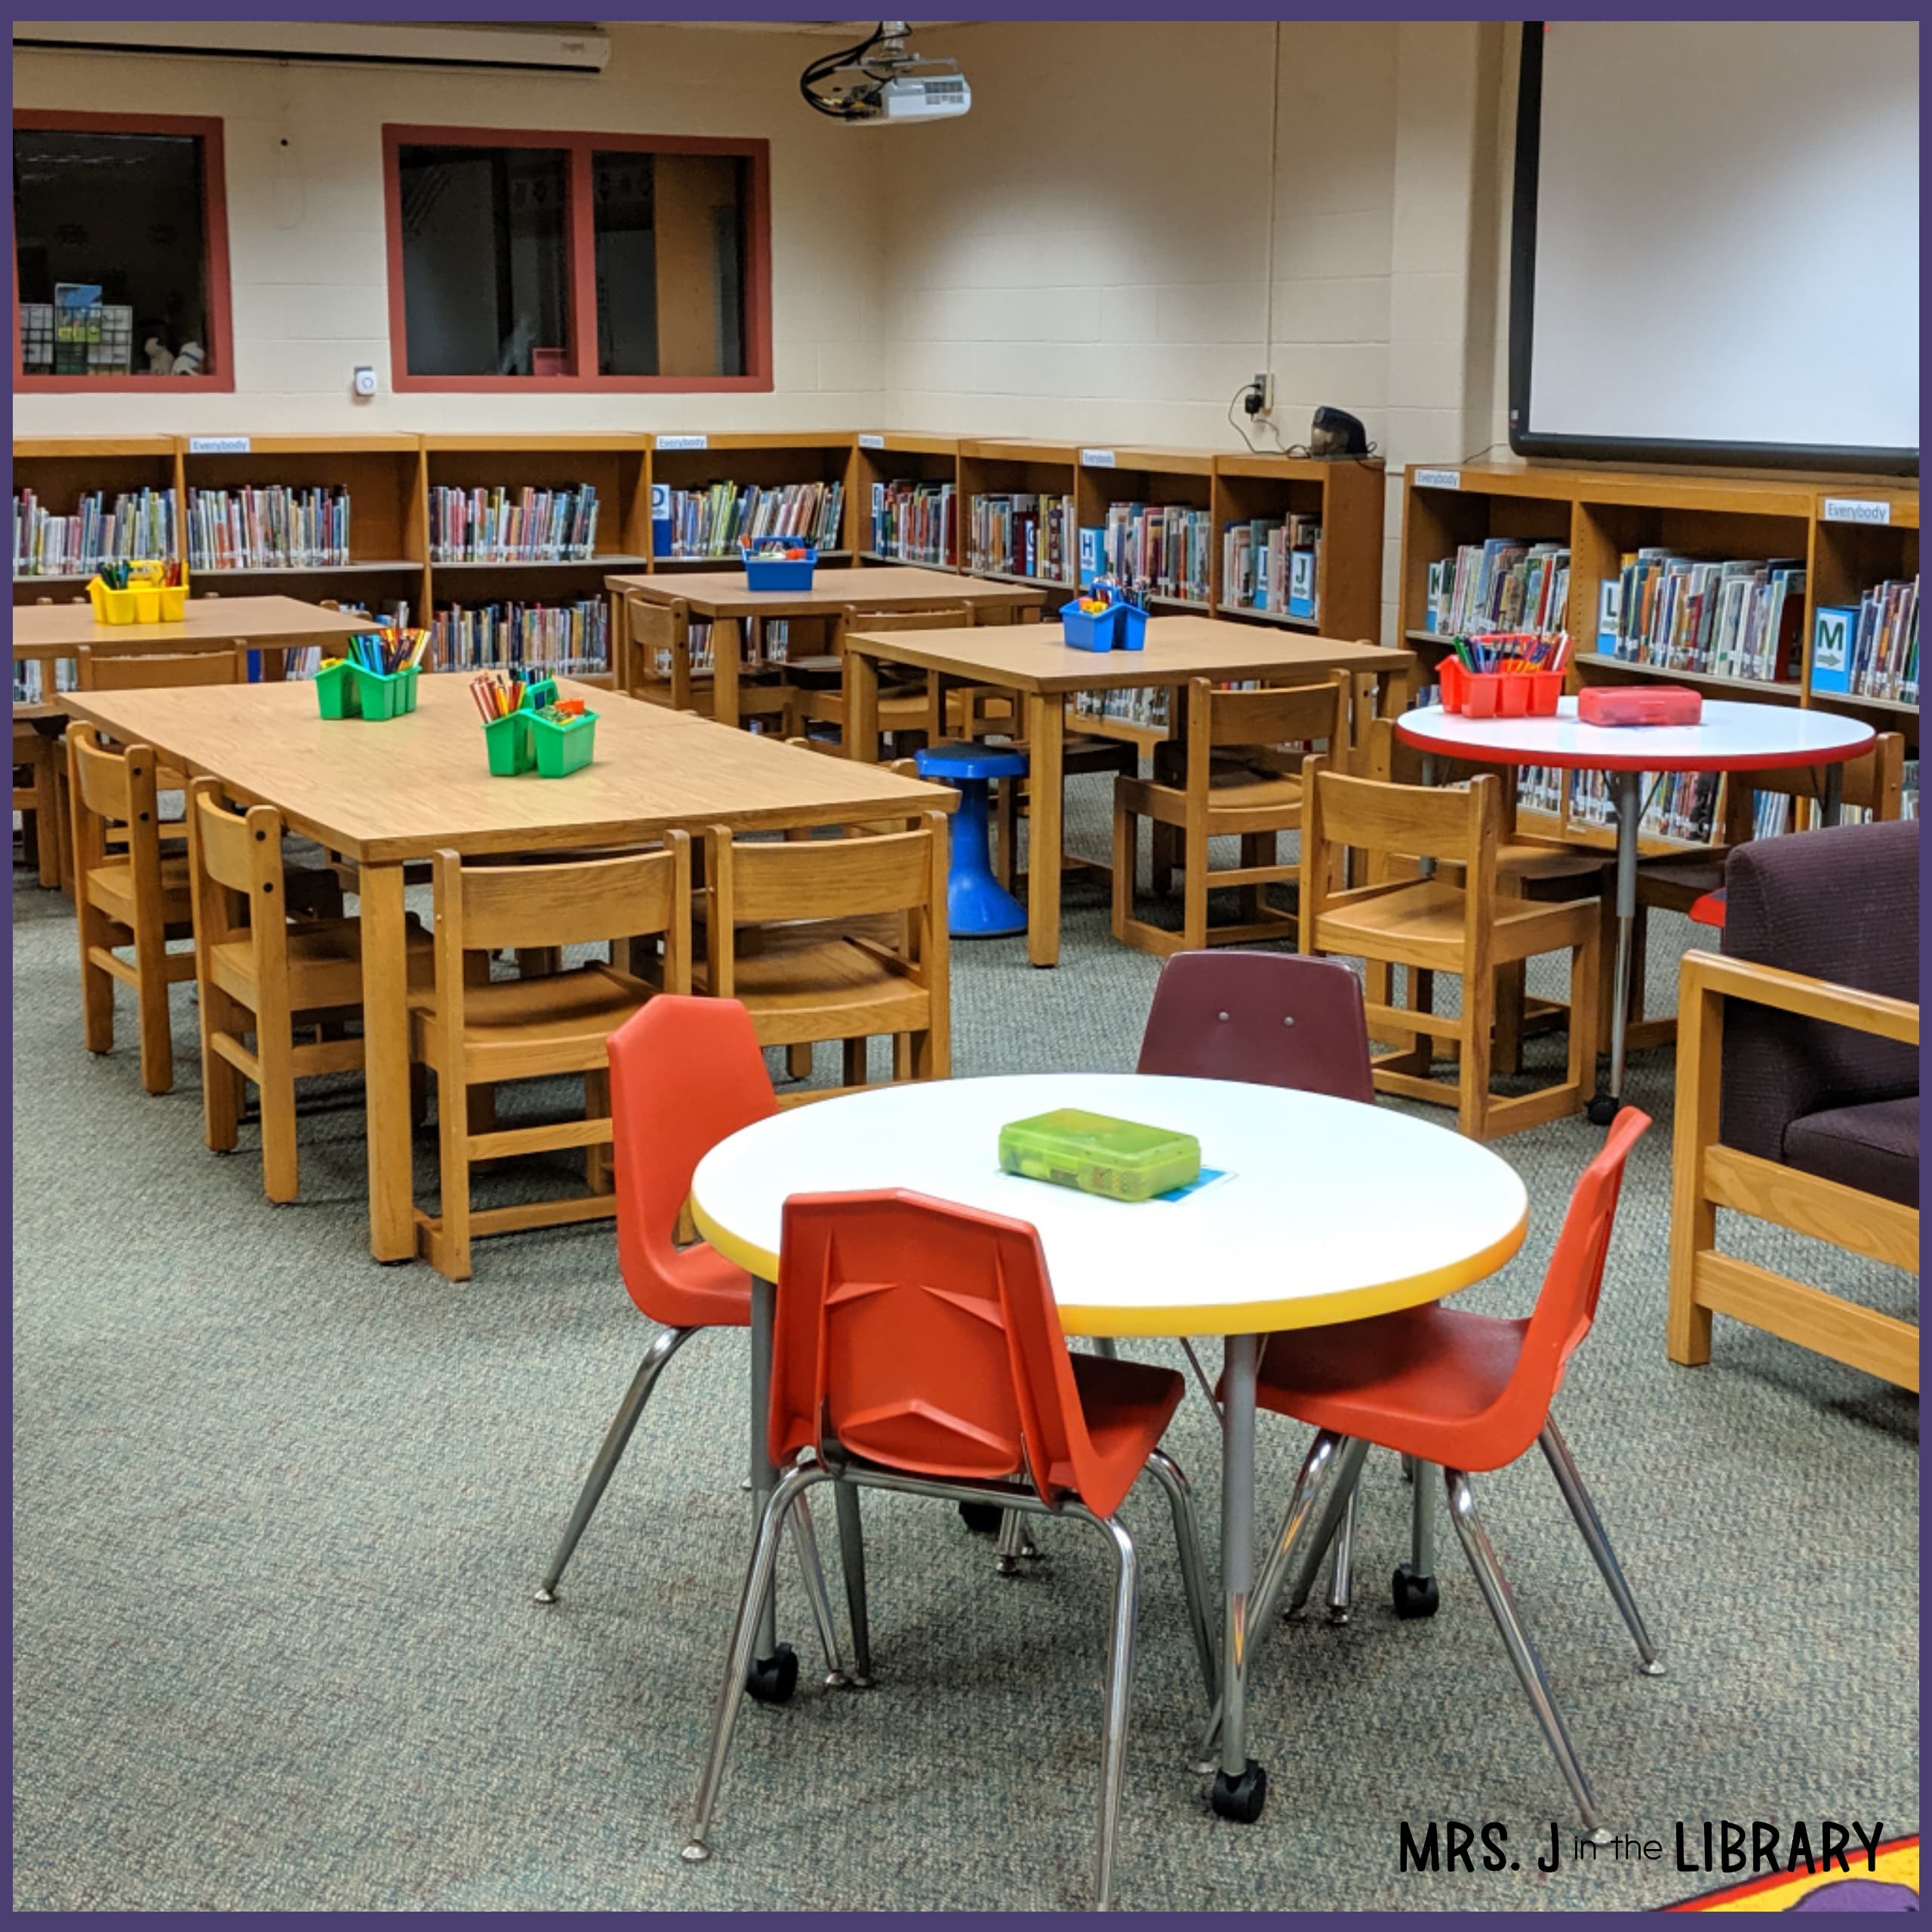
{"x": 45, "y": 631}
{"x": 383, "y": 794}
{"x": 1034, "y": 662}
{"x": 724, "y": 597}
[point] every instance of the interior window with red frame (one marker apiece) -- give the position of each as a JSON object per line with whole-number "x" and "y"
{"x": 120, "y": 252}
{"x": 532, "y": 260}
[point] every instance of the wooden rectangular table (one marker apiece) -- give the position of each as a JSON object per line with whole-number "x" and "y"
{"x": 1033, "y": 662}
{"x": 383, "y": 794}
{"x": 45, "y": 631}
{"x": 723, "y": 596}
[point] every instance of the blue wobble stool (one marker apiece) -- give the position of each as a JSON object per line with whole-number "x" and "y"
{"x": 977, "y": 906}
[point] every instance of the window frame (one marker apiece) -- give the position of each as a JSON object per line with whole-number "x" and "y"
{"x": 219, "y": 376}
{"x": 580, "y": 260}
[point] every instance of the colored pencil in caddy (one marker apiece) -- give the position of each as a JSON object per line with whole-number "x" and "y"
{"x": 1504, "y": 674}
{"x": 527, "y": 727}
{"x": 376, "y": 679}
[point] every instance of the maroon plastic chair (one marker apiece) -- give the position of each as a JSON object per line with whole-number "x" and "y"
{"x": 1273, "y": 1018}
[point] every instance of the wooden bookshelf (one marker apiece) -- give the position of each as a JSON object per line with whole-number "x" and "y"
{"x": 1000, "y": 467}
{"x": 1602, "y": 512}
{"x": 892, "y": 456}
{"x": 1347, "y": 493}
{"x": 747, "y": 458}
{"x": 1109, "y": 474}
{"x": 60, "y": 470}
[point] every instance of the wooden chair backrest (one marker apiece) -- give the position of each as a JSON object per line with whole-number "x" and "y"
{"x": 211, "y": 664}
{"x": 946, "y": 618}
{"x": 490, "y": 908}
{"x": 1271, "y": 717}
{"x": 1875, "y": 782}
{"x": 113, "y": 785}
{"x": 755, "y": 882}
{"x": 238, "y": 887}
{"x": 651, "y": 627}
{"x": 1412, "y": 821}
{"x": 1396, "y": 761}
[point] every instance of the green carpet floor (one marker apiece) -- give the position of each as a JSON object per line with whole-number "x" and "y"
{"x": 278, "y": 1513}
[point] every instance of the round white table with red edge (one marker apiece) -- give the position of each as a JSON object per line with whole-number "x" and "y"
{"x": 1729, "y": 737}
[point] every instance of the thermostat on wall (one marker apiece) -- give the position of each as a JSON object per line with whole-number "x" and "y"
{"x": 365, "y": 380}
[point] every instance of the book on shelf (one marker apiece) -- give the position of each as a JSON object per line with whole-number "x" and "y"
{"x": 499, "y": 526}
{"x": 1682, "y": 805}
{"x": 763, "y": 645}
{"x": 141, "y": 525}
{"x": 1273, "y": 564}
{"x": 1503, "y": 583}
{"x": 915, "y": 522}
{"x": 1735, "y": 617}
{"x": 1162, "y": 546}
{"x": 35, "y": 682}
{"x": 1871, "y": 651}
{"x": 562, "y": 640}
{"x": 709, "y": 522}
{"x": 1018, "y": 533}
{"x": 1146, "y": 710}
{"x": 273, "y": 527}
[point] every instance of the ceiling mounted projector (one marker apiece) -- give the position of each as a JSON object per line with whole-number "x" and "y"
{"x": 881, "y": 79}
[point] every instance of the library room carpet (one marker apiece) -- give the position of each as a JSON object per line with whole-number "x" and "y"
{"x": 278, "y": 1514}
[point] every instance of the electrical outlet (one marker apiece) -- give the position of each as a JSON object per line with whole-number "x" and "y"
{"x": 1265, "y": 382}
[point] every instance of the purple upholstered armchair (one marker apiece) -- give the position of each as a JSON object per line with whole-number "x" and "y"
{"x": 1797, "y": 1089}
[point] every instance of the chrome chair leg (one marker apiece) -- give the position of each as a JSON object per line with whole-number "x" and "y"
{"x": 1563, "y": 1466}
{"x": 1120, "y": 1685}
{"x": 1342, "y": 1577}
{"x": 1331, "y": 1461}
{"x": 1015, "y": 1541}
{"x": 1193, "y": 1564}
{"x": 1490, "y": 1579}
{"x": 1335, "y": 1507}
{"x": 816, "y": 1593}
{"x": 616, "y": 1438}
{"x": 744, "y": 1641}
{"x": 852, "y": 1560}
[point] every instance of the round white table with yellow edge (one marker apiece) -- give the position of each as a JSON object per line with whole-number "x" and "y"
{"x": 1324, "y": 1211}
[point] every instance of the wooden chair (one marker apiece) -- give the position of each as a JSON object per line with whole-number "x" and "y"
{"x": 658, "y": 664}
{"x": 257, "y": 971}
{"x": 908, "y": 699}
{"x": 783, "y": 936}
{"x": 1234, "y": 780}
{"x": 37, "y": 799}
{"x": 224, "y": 663}
{"x": 1431, "y": 924}
{"x": 472, "y": 1034}
{"x": 1527, "y": 866}
{"x": 1797, "y": 1095}
{"x": 132, "y": 899}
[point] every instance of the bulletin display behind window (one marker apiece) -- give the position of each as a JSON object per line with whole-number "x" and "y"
{"x": 120, "y": 253}
{"x": 536, "y": 261}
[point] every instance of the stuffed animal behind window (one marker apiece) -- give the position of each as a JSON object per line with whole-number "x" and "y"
{"x": 161, "y": 357}
{"x": 191, "y": 361}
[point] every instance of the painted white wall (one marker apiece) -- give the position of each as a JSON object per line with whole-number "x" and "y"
{"x": 1087, "y": 254}
{"x": 309, "y": 259}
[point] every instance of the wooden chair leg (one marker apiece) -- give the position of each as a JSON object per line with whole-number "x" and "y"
{"x": 1585, "y": 980}
{"x": 1693, "y": 1216}
{"x": 1510, "y": 984}
{"x": 798, "y": 1059}
{"x": 538, "y": 962}
{"x": 479, "y": 1107}
{"x": 1127, "y": 863}
{"x": 1194, "y": 889}
{"x": 47, "y": 821}
{"x": 1161, "y": 853}
{"x": 223, "y": 1089}
{"x": 453, "y": 1134}
{"x": 1006, "y": 832}
{"x": 1478, "y": 1024}
{"x": 96, "y": 982}
{"x": 1257, "y": 848}
{"x": 597, "y": 1177}
{"x": 419, "y": 1093}
{"x": 274, "y": 1048}
{"x": 151, "y": 998}
{"x": 854, "y": 1068}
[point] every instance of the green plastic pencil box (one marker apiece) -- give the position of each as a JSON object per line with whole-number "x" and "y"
{"x": 1120, "y": 1160}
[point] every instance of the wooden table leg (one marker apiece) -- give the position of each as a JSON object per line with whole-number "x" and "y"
{"x": 386, "y": 1062}
{"x": 1046, "y": 738}
{"x": 861, "y": 706}
{"x": 47, "y": 813}
{"x": 724, "y": 667}
{"x": 619, "y": 631}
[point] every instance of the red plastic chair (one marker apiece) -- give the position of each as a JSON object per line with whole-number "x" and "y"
{"x": 1708, "y": 908}
{"x": 1467, "y": 1393}
{"x": 918, "y": 1350}
{"x": 685, "y": 1074}
{"x": 1274, "y": 1019}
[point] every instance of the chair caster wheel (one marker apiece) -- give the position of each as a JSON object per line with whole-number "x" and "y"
{"x": 696, "y": 1852}
{"x": 1240, "y": 1799}
{"x": 545, "y": 1594}
{"x": 982, "y": 1518}
{"x": 1413, "y": 1596}
{"x": 772, "y": 1680}
{"x": 1602, "y": 1110}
